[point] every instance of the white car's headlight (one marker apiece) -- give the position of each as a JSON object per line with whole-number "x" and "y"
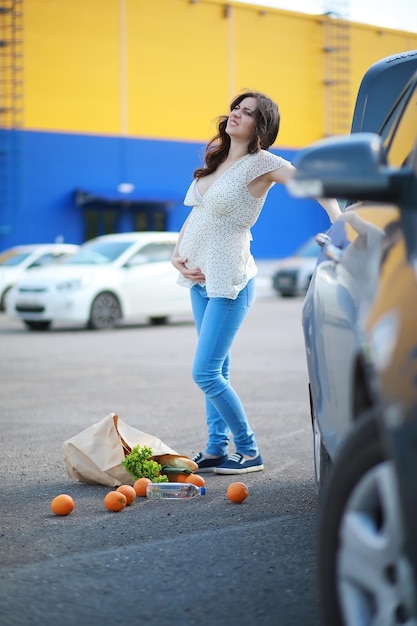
{"x": 76, "y": 283}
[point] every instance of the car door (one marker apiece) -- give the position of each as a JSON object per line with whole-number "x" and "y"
{"x": 150, "y": 282}
{"x": 346, "y": 282}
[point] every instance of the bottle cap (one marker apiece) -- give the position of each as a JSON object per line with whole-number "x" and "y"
{"x": 202, "y": 491}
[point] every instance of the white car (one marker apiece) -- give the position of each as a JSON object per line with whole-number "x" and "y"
{"x": 14, "y": 262}
{"x": 293, "y": 274}
{"x": 114, "y": 277}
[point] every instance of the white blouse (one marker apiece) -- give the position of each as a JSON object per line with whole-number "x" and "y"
{"x": 217, "y": 236}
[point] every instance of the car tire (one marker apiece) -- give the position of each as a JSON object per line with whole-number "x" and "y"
{"x": 158, "y": 321}
{"x": 307, "y": 285}
{"x": 364, "y": 575}
{"x": 43, "y": 325}
{"x": 3, "y": 300}
{"x": 105, "y": 312}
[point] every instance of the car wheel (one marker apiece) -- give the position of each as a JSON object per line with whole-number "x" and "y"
{"x": 44, "y": 325}
{"x": 105, "y": 311}
{"x": 158, "y": 321}
{"x": 307, "y": 284}
{"x": 3, "y": 300}
{"x": 364, "y": 575}
{"x": 322, "y": 461}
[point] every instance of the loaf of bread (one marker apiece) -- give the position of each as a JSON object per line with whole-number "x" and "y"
{"x": 179, "y": 462}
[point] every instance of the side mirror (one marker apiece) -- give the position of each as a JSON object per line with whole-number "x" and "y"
{"x": 353, "y": 167}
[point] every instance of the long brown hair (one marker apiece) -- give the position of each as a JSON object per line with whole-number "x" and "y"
{"x": 267, "y": 120}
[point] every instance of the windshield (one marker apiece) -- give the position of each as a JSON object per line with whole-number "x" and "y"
{"x": 13, "y": 258}
{"x": 99, "y": 252}
{"x": 399, "y": 130}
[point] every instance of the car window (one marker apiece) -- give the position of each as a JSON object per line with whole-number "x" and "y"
{"x": 99, "y": 252}
{"x": 157, "y": 252}
{"x": 48, "y": 258}
{"x": 400, "y": 129}
{"x": 13, "y": 258}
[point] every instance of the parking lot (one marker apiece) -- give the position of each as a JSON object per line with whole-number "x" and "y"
{"x": 203, "y": 561}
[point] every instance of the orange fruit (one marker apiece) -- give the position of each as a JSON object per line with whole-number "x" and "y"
{"x": 62, "y": 504}
{"x": 177, "y": 478}
{"x": 140, "y": 486}
{"x": 195, "y": 479}
{"x": 129, "y": 492}
{"x": 115, "y": 501}
{"x": 172, "y": 478}
{"x": 237, "y": 492}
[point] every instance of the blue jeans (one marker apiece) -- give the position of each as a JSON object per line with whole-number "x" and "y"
{"x": 217, "y": 321}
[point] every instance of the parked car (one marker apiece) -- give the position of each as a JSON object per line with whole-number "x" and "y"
{"x": 292, "y": 275}
{"x": 14, "y": 262}
{"x": 112, "y": 278}
{"x": 360, "y": 330}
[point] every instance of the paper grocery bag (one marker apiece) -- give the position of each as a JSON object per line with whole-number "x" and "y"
{"x": 95, "y": 454}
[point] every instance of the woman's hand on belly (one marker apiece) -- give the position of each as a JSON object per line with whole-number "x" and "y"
{"x": 195, "y": 275}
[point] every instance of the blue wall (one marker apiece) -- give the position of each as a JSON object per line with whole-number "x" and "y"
{"x": 49, "y": 167}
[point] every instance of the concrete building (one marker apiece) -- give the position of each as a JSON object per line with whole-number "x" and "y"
{"x": 107, "y": 105}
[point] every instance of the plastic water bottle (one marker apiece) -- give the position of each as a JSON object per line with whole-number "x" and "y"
{"x": 180, "y": 491}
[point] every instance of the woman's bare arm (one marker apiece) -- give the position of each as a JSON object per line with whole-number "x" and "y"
{"x": 284, "y": 174}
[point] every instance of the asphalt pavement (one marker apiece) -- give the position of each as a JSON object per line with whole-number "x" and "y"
{"x": 199, "y": 562}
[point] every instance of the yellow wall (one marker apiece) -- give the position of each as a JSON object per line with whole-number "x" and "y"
{"x": 369, "y": 44}
{"x": 167, "y": 68}
{"x": 72, "y": 65}
{"x": 177, "y": 67}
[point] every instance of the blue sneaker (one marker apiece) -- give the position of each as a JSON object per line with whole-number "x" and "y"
{"x": 208, "y": 465}
{"x": 237, "y": 464}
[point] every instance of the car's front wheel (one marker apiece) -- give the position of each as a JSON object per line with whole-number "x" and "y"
{"x": 3, "y": 300}
{"x": 160, "y": 320}
{"x": 105, "y": 311}
{"x": 364, "y": 574}
{"x": 43, "y": 325}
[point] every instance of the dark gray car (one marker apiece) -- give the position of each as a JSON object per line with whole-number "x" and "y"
{"x": 360, "y": 329}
